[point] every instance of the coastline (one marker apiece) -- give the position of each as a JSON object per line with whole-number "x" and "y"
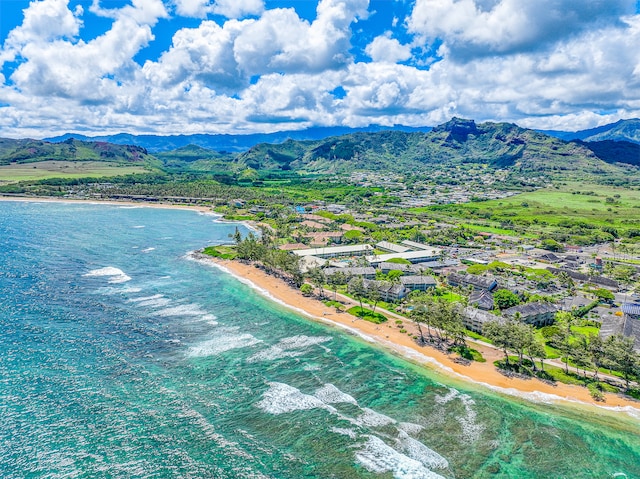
{"x": 388, "y": 335}
{"x": 139, "y": 204}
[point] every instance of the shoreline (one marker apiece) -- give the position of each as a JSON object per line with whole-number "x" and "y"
{"x": 139, "y": 204}
{"x": 388, "y": 336}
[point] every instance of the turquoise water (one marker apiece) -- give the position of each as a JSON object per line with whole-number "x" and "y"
{"x": 122, "y": 358}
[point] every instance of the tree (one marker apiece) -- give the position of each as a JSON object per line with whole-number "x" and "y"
{"x": 334, "y": 280}
{"x": 604, "y": 294}
{"x": 374, "y": 295}
{"x": 318, "y": 279}
{"x": 535, "y": 349}
{"x": 562, "y": 336}
{"x": 597, "y": 353}
{"x": 551, "y": 245}
{"x": 621, "y": 353}
{"x": 504, "y": 299}
{"x": 358, "y": 290}
{"x": 306, "y": 289}
{"x": 499, "y": 335}
{"x": 419, "y": 315}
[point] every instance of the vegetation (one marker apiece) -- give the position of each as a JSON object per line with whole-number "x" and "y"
{"x": 367, "y": 314}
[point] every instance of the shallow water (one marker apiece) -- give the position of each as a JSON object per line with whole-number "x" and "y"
{"x": 122, "y": 358}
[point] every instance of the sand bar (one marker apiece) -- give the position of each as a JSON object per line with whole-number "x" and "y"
{"x": 389, "y": 336}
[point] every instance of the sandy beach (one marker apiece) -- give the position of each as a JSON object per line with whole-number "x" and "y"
{"x": 389, "y": 336}
{"x": 140, "y": 204}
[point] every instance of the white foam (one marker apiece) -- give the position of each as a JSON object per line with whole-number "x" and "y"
{"x": 344, "y": 432}
{"x": 116, "y": 275}
{"x": 281, "y": 398}
{"x": 371, "y": 418}
{"x": 147, "y": 250}
{"x": 421, "y": 453}
{"x": 182, "y": 310}
{"x": 329, "y": 394}
{"x": 410, "y": 427}
{"x": 289, "y": 348}
{"x": 378, "y": 457}
{"x": 219, "y": 345}
{"x": 155, "y": 303}
{"x": 146, "y": 298}
{"x": 471, "y": 430}
{"x": 130, "y": 290}
{"x": 450, "y": 396}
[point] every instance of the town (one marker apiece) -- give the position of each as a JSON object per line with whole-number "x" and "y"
{"x": 450, "y": 287}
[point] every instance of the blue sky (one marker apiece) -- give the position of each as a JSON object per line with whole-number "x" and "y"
{"x": 243, "y": 66}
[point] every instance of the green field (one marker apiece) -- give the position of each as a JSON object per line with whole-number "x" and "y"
{"x": 573, "y": 208}
{"x": 64, "y": 169}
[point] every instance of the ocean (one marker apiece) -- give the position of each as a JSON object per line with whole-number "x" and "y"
{"x": 120, "y": 357}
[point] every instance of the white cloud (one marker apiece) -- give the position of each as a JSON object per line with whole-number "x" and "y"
{"x": 45, "y": 21}
{"x": 473, "y": 27}
{"x": 278, "y": 71}
{"x": 386, "y": 49}
{"x": 238, "y": 8}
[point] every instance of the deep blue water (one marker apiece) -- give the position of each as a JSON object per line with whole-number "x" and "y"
{"x": 122, "y": 358}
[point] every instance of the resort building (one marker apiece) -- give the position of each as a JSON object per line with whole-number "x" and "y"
{"x": 367, "y": 272}
{"x": 474, "y": 319}
{"x": 627, "y": 325}
{"x": 488, "y": 283}
{"x": 482, "y": 299}
{"x": 336, "y": 251}
{"x": 391, "y": 247}
{"x": 538, "y": 313}
{"x": 412, "y": 256}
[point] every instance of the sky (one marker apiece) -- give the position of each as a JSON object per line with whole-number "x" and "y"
{"x": 244, "y": 66}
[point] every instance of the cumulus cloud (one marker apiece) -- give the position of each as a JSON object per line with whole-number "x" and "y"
{"x": 226, "y": 8}
{"x": 473, "y": 27}
{"x": 269, "y": 69}
{"x": 386, "y": 49}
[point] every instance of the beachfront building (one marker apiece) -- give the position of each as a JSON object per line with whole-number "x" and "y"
{"x": 537, "y": 313}
{"x": 336, "y": 251}
{"x": 418, "y": 283}
{"x": 474, "y": 319}
{"x": 367, "y": 272}
{"x": 388, "y": 291}
{"x": 415, "y": 246}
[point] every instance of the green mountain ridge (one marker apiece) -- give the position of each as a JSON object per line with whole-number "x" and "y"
{"x": 453, "y": 144}
{"x": 30, "y": 151}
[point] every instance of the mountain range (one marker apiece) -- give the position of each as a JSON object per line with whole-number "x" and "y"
{"x": 458, "y": 144}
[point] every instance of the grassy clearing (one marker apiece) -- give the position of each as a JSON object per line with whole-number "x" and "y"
{"x": 64, "y": 169}
{"x": 222, "y": 252}
{"x": 367, "y": 314}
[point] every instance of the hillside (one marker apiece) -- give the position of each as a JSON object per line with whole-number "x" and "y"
{"x": 29, "y": 151}
{"x": 623, "y": 130}
{"x": 455, "y": 144}
{"x": 228, "y": 143}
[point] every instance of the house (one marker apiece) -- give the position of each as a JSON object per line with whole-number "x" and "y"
{"x": 314, "y": 225}
{"x": 292, "y": 246}
{"x": 549, "y": 258}
{"x": 418, "y": 283}
{"x": 482, "y": 299}
{"x": 474, "y": 319}
{"x": 631, "y": 310}
{"x": 323, "y": 238}
{"x": 537, "y": 314}
{"x": 488, "y": 283}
